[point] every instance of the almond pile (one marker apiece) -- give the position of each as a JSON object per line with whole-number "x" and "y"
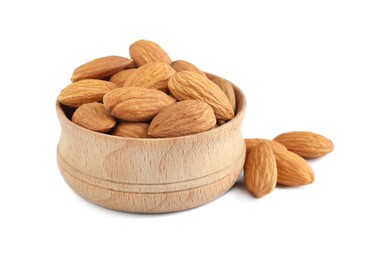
{"x": 282, "y": 160}
{"x": 147, "y": 96}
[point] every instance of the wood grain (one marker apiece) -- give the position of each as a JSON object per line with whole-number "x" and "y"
{"x": 151, "y": 175}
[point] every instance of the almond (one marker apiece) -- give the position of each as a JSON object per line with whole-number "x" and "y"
{"x": 306, "y": 144}
{"x": 136, "y": 104}
{"x": 260, "y": 171}
{"x": 183, "y": 118}
{"x": 182, "y": 65}
{"x": 120, "y": 77}
{"x": 85, "y": 91}
{"x": 144, "y": 51}
{"x": 293, "y": 170}
{"x": 252, "y": 142}
{"x": 190, "y": 85}
{"x": 135, "y": 130}
{"x": 227, "y": 88}
{"x": 100, "y": 68}
{"x": 94, "y": 116}
{"x": 153, "y": 75}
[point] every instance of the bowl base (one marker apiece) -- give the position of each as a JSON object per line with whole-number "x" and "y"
{"x": 154, "y": 202}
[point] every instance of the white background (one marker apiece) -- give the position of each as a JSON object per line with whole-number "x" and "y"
{"x": 303, "y": 65}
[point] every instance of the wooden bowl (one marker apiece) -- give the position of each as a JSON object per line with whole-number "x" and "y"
{"x": 151, "y": 175}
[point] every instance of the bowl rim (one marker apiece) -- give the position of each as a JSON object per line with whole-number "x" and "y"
{"x": 238, "y": 116}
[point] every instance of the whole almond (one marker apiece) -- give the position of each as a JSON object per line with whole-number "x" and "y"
{"x": 144, "y": 51}
{"x": 182, "y": 65}
{"x": 293, "y": 170}
{"x": 120, "y": 77}
{"x": 306, "y": 144}
{"x": 136, "y": 104}
{"x": 260, "y": 171}
{"x": 153, "y": 75}
{"x": 94, "y": 116}
{"x": 85, "y": 91}
{"x": 183, "y": 118}
{"x": 100, "y": 68}
{"x": 227, "y": 88}
{"x": 128, "y": 129}
{"x": 252, "y": 142}
{"x": 190, "y": 85}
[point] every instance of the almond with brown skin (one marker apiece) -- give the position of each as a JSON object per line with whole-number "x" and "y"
{"x": 182, "y": 65}
{"x": 260, "y": 171}
{"x": 306, "y": 144}
{"x": 129, "y": 129}
{"x": 85, "y": 91}
{"x": 136, "y": 104}
{"x": 293, "y": 170}
{"x": 190, "y": 85}
{"x": 94, "y": 116}
{"x": 100, "y": 68}
{"x": 144, "y": 51}
{"x": 153, "y": 75}
{"x": 227, "y": 88}
{"x": 252, "y": 142}
{"x": 183, "y": 118}
{"x": 120, "y": 77}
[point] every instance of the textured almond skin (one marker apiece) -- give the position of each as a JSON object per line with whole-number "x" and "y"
{"x": 136, "y": 104}
{"x": 260, "y": 171}
{"x": 153, "y": 75}
{"x": 135, "y": 130}
{"x": 227, "y": 88}
{"x": 182, "y": 65}
{"x": 293, "y": 170}
{"x": 94, "y": 116}
{"x": 306, "y": 144}
{"x": 100, "y": 68}
{"x": 190, "y": 85}
{"x": 144, "y": 51}
{"x": 252, "y": 142}
{"x": 120, "y": 77}
{"x": 183, "y": 118}
{"x": 85, "y": 91}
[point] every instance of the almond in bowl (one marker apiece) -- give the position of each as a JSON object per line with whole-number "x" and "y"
{"x": 160, "y": 149}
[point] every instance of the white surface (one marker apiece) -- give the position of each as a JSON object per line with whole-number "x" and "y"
{"x": 304, "y": 65}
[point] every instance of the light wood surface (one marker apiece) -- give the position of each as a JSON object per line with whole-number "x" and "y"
{"x": 151, "y": 175}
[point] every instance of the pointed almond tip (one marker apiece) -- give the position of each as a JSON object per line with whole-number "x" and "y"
{"x": 256, "y": 195}
{"x": 259, "y": 195}
{"x": 312, "y": 177}
{"x": 331, "y": 146}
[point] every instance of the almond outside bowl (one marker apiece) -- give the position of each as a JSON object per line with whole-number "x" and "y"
{"x": 151, "y": 175}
